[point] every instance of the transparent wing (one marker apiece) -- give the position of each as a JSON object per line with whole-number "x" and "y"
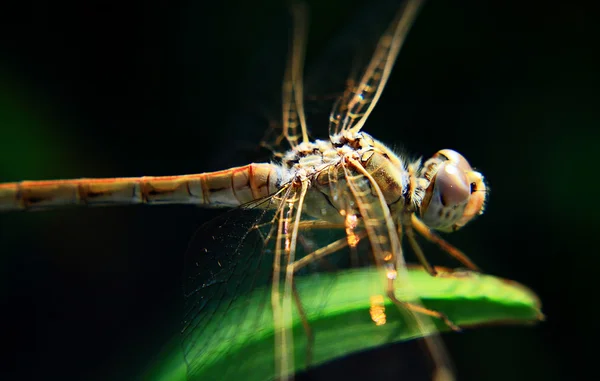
{"x": 292, "y": 130}
{"x": 226, "y": 260}
{"x": 384, "y": 239}
{"x": 288, "y": 222}
{"x": 237, "y": 268}
{"x": 352, "y": 109}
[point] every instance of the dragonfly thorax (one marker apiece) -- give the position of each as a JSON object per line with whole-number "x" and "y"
{"x": 326, "y": 165}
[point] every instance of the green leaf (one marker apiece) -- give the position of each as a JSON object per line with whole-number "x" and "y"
{"x": 343, "y": 325}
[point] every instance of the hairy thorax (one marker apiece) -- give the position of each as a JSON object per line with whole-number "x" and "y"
{"x": 327, "y": 165}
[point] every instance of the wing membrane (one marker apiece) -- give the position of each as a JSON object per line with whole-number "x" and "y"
{"x": 385, "y": 244}
{"x": 290, "y": 212}
{"x": 354, "y": 107}
{"x": 293, "y": 129}
{"x": 246, "y": 254}
{"x": 221, "y": 268}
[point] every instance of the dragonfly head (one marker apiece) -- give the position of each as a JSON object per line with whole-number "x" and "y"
{"x": 455, "y": 193}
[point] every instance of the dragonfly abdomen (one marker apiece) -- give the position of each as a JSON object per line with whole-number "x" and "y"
{"x": 230, "y": 187}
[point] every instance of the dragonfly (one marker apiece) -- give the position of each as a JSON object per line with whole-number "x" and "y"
{"x": 348, "y": 196}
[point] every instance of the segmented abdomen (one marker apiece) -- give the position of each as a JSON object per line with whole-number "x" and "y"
{"x": 230, "y": 187}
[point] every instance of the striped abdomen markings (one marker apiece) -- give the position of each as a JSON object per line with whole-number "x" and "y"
{"x": 230, "y": 187}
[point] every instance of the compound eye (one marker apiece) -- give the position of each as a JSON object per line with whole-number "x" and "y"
{"x": 456, "y": 193}
{"x": 455, "y": 158}
{"x": 452, "y": 184}
{"x": 476, "y": 203}
{"x": 446, "y": 197}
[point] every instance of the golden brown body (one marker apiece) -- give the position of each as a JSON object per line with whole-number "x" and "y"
{"x": 229, "y": 187}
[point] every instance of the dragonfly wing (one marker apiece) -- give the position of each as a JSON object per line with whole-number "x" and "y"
{"x": 227, "y": 258}
{"x": 367, "y": 200}
{"x": 358, "y": 101}
{"x": 288, "y": 223}
{"x": 243, "y": 255}
{"x": 292, "y": 130}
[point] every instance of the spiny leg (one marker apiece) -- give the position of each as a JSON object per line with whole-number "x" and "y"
{"x": 319, "y": 224}
{"x": 302, "y": 225}
{"x": 417, "y": 308}
{"x": 448, "y": 248}
{"x": 310, "y": 338}
{"x": 442, "y": 371}
{"x": 291, "y": 269}
{"x": 323, "y": 252}
{"x": 410, "y": 234}
{"x": 305, "y": 225}
{"x": 407, "y": 229}
{"x": 316, "y": 255}
{"x": 311, "y": 247}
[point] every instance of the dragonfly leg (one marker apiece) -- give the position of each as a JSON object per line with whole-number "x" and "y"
{"x": 417, "y": 308}
{"x": 297, "y": 265}
{"x": 410, "y": 234}
{"x": 422, "y": 229}
{"x": 303, "y": 225}
{"x": 324, "y": 251}
{"x": 317, "y": 224}
{"x": 310, "y": 338}
{"x": 309, "y": 247}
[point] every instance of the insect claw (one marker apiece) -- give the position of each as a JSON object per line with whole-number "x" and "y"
{"x": 450, "y": 324}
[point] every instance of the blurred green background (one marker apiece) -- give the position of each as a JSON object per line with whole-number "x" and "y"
{"x": 128, "y": 89}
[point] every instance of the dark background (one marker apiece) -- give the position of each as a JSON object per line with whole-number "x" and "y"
{"x": 127, "y": 89}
